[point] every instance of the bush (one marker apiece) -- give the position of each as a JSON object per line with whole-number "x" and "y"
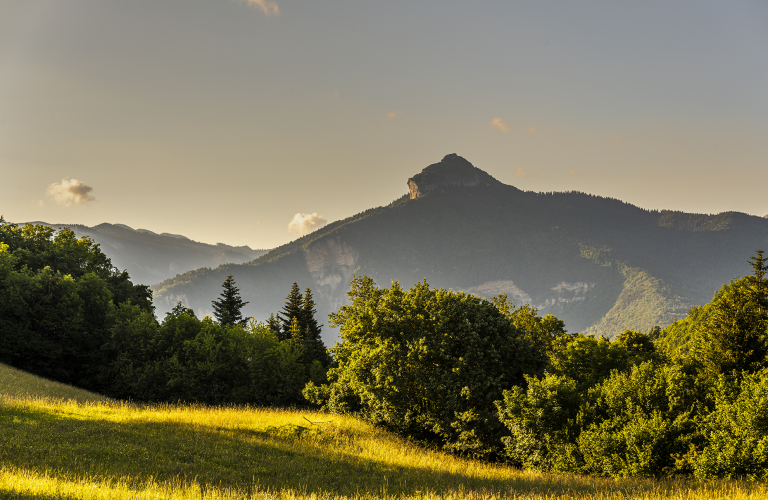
{"x": 428, "y": 363}
{"x": 737, "y": 430}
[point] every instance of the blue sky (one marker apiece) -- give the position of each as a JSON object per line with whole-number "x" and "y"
{"x": 222, "y": 119}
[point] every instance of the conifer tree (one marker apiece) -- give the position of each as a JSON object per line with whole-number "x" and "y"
{"x": 757, "y": 280}
{"x": 274, "y": 324}
{"x": 227, "y": 308}
{"x": 292, "y": 309}
{"x": 315, "y": 348}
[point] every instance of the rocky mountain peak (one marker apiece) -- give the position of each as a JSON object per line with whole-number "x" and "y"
{"x": 452, "y": 170}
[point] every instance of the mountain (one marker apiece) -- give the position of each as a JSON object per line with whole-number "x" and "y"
{"x": 600, "y": 264}
{"x": 150, "y": 257}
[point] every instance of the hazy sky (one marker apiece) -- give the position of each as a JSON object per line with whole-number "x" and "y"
{"x": 221, "y": 119}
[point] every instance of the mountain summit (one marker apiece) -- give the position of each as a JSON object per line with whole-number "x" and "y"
{"x": 453, "y": 170}
{"x": 599, "y": 264}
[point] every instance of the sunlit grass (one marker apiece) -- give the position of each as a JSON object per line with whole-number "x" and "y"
{"x": 62, "y": 447}
{"x": 15, "y": 382}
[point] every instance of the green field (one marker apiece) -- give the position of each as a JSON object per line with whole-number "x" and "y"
{"x": 58, "y": 442}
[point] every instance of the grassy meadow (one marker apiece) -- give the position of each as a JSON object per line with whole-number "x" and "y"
{"x": 57, "y": 442}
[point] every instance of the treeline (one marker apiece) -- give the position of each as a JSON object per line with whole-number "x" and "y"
{"x": 486, "y": 379}
{"x": 67, "y": 314}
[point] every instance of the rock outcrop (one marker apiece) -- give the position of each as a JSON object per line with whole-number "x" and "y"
{"x": 331, "y": 263}
{"x": 453, "y": 170}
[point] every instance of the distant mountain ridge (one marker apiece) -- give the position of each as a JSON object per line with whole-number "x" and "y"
{"x": 150, "y": 257}
{"x": 600, "y": 264}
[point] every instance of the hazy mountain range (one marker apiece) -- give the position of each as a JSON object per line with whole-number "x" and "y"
{"x": 150, "y": 257}
{"x": 600, "y": 264}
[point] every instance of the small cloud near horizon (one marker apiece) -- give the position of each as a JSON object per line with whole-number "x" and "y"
{"x": 523, "y": 174}
{"x": 532, "y": 129}
{"x": 268, "y": 7}
{"x": 303, "y": 224}
{"x": 572, "y": 173}
{"x": 70, "y": 192}
{"x": 499, "y": 124}
{"x": 392, "y": 115}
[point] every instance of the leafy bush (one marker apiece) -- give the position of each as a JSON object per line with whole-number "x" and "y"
{"x": 428, "y": 363}
{"x": 633, "y": 424}
{"x": 737, "y": 430}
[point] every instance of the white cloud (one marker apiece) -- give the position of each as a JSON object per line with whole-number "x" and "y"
{"x": 70, "y": 192}
{"x": 523, "y": 173}
{"x": 499, "y": 124}
{"x": 306, "y": 223}
{"x": 268, "y": 7}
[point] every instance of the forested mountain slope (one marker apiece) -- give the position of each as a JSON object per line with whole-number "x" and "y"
{"x": 150, "y": 257}
{"x": 600, "y": 264}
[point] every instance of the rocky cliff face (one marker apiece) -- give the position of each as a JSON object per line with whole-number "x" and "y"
{"x": 331, "y": 263}
{"x": 563, "y": 292}
{"x": 453, "y": 170}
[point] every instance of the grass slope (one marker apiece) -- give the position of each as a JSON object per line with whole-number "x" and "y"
{"x": 54, "y": 449}
{"x": 17, "y": 383}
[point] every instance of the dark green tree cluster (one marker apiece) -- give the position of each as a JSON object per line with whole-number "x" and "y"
{"x": 297, "y": 322}
{"x": 59, "y": 297}
{"x": 188, "y": 359}
{"x": 230, "y": 360}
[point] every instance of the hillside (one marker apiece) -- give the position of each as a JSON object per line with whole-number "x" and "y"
{"x": 110, "y": 450}
{"x": 18, "y": 383}
{"x": 600, "y": 264}
{"x": 150, "y": 257}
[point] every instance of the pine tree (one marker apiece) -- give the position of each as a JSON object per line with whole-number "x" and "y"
{"x": 292, "y": 309}
{"x": 227, "y": 308}
{"x": 274, "y": 324}
{"x": 315, "y": 348}
{"x": 757, "y": 280}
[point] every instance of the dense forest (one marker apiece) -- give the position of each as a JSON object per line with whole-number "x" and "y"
{"x": 477, "y": 377}
{"x": 67, "y": 314}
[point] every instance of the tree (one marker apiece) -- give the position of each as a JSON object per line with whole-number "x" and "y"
{"x": 733, "y": 336}
{"x": 227, "y": 308}
{"x": 313, "y": 342}
{"x": 428, "y": 363}
{"x": 757, "y": 281}
{"x": 292, "y": 309}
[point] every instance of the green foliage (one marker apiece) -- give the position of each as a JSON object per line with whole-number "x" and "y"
{"x": 634, "y": 424}
{"x": 58, "y": 297}
{"x": 588, "y": 360}
{"x": 733, "y": 336}
{"x": 541, "y": 420}
{"x": 736, "y": 432}
{"x": 228, "y": 308}
{"x": 426, "y": 362}
{"x": 194, "y": 360}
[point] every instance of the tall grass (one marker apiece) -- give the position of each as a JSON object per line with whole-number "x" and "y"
{"x": 15, "y": 382}
{"x": 108, "y": 450}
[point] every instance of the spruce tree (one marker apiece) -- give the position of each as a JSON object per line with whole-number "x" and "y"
{"x": 292, "y": 309}
{"x": 314, "y": 346}
{"x": 274, "y": 324}
{"x": 227, "y": 308}
{"x": 757, "y": 281}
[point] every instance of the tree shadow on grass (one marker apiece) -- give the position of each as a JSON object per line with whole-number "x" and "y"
{"x": 289, "y": 457}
